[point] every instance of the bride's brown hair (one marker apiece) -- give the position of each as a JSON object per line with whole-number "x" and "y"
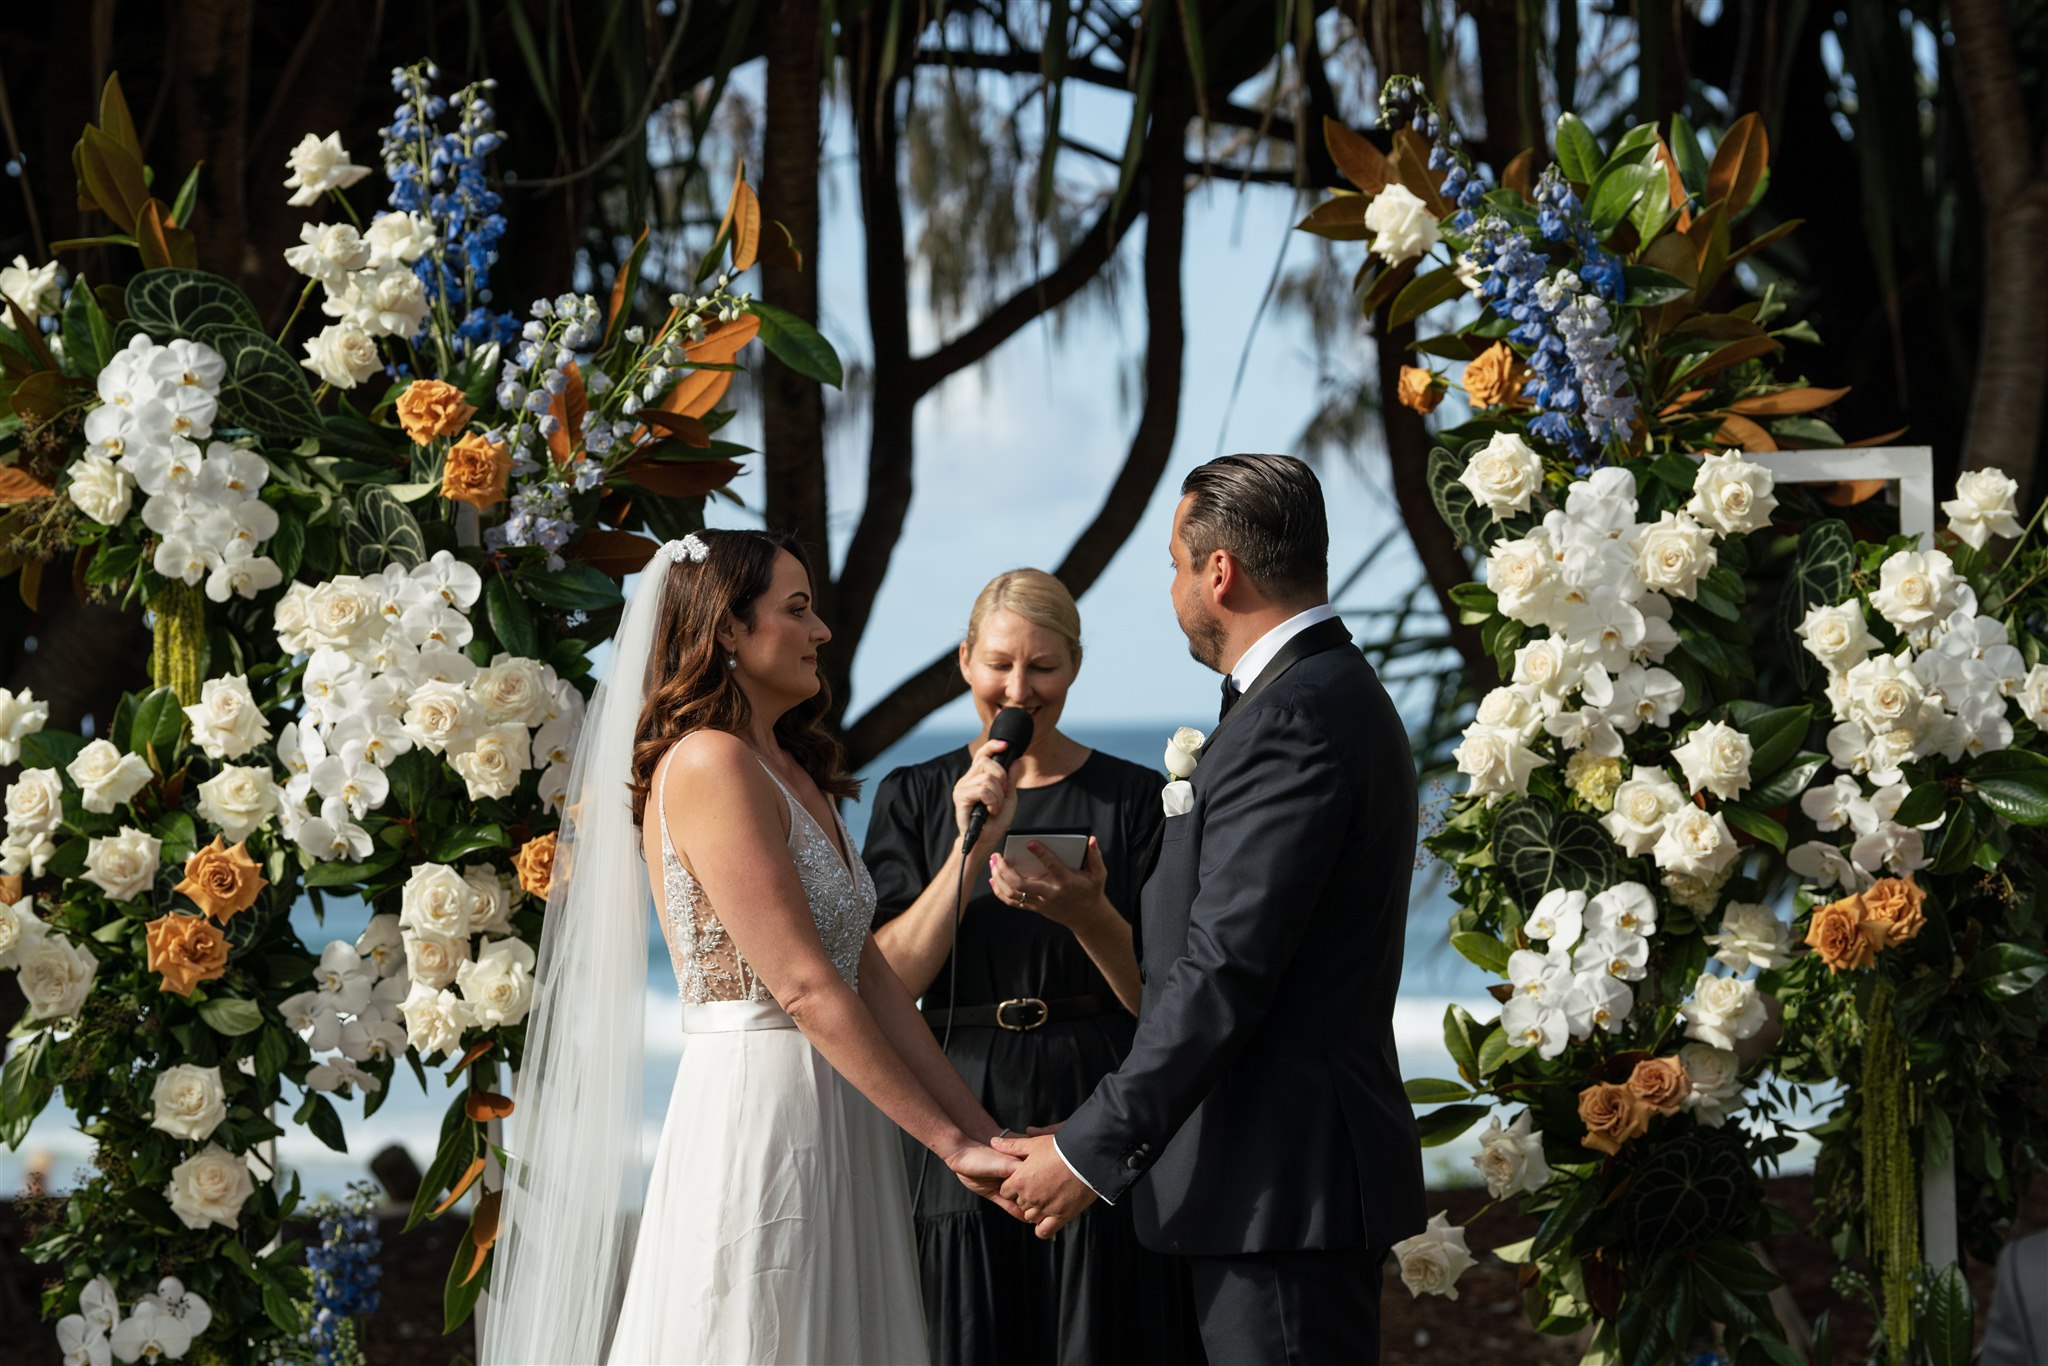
{"x": 688, "y": 685}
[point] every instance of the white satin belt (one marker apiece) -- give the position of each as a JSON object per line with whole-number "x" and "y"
{"x": 730, "y": 1017}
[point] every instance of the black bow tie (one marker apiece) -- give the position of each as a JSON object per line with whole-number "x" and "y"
{"x": 1231, "y": 693}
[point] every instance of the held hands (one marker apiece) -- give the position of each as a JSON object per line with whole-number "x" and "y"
{"x": 1066, "y": 896}
{"x": 1043, "y": 1189}
{"x": 987, "y": 782}
{"x": 983, "y": 1170}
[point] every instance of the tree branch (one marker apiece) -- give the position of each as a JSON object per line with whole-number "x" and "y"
{"x": 1020, "y": 62}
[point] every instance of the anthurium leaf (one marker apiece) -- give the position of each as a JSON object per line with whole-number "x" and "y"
{"x": 172, "y": 303}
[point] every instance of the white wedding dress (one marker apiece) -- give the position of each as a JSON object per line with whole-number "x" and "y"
{"x": 777, "y": 1221}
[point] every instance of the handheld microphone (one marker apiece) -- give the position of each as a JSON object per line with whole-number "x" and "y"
{"x": 1013, "y": 725}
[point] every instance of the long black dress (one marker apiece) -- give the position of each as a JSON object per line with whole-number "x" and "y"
{"x": 994, "y": 1293}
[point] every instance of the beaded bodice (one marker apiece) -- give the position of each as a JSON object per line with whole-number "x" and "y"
{"x": 708, "y": 966}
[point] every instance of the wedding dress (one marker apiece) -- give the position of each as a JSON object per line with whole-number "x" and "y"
{"x": 776, "y": 1226}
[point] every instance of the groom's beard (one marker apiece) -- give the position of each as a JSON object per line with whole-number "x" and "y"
{"x": 1205, "y": 636}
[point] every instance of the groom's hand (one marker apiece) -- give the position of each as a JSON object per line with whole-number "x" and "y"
{"x": 1044, "y": 1187}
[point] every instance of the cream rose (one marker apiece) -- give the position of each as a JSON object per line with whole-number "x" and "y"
{"x": 493, "y": 764}
{"x": 399, "y": 238}
{"x": 441, "y": 717}
{"x": 1433, "y": 1259}
{"x": 226, "y": 722}
{"x": 1884, "y": 693}
{"x": 55, "y": 977}
{"x": 1915, "y": 588}
{"x": 1723, "y": 1010}
{"x": 1732, "y": 495}
{"x": 1985, "y": 505}
{"x": 237, "y": 800}
{"x": 1402, "y": 226}
{"x": 1511, "y": 708}
{"x": 2033, "y": 695}
{"x": 511, "y": 689}
{"x": 1550, "y": 666}
{"x": 99, "y": 488}
{"x": 106, "y": 777}
{"x": 1184, "y": 751}
{"x": 1715, "y": 758}
{"x": 342, "y": 355}
{"x": 491, "y": 912}
{"x": 21, "y": 929}
{"x": 210, "y": 1187}
{"x": 1642, "y": 804}
{"x": 344, "y": 614}
{"x": 318, "y": 165}
{"x": 1837, "y": 636}
{"x": 434, "y": 1020}
{"x": 288, "y": 618}
{"x": 1523, "y": 577}
{"x": 188, "y": 1102}
{"x": 1695, "y": 843}
{"x": 328, "y": 252}
{"x": 21, "y": 716}
{"x": 1716, "y": 1082}
{"x": 434, "y": 959}
{"x": 1672, "y": 553}
{"x": 436, "y": 900}
{"x": 1503, "y": 475}
{"x": 35, "y": 802}
{"x": 123, "y": 866}
{"x": 1495, "y": 761}
{"x": 35, "y": 288}
{"x": 498, "y": 985}
{"x": 1751, "y": 934}
{"x": 1511, "y": 1159}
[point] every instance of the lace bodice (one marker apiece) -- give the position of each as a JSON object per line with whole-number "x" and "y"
{"x": 707, "y": 964}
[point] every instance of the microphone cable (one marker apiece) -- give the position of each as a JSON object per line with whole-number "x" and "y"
{"x": 952, "y": 995}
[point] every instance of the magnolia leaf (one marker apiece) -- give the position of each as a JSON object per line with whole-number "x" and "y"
{"x": 510, "y": 622}
{"x": 1461, "y": 1033}
{"x": 156, "y": 723}
{"x": 1483, "y": 949}
{"x": 1578, "y": 151}
{"x": 1341, "y": 219}
{"x": 1783, "y": 401}
{"x": 1775, "y": 736}
{"x": 1432, "y": 1091}
{"x": 231, "y": 1016}
{"x": 1739, "y": 164}
{"x": 576, "y": 588}
{"x": 797, "y": 344}
{"x": 1361, "y": 163}
{"x": 1440, "y": 1126}
{"x": 1423, "y": 293}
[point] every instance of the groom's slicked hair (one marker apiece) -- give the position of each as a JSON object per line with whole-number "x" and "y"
{"x": 1267, "y": 511}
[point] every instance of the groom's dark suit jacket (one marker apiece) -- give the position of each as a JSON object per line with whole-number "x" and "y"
{"x": 1261, "y": 1100}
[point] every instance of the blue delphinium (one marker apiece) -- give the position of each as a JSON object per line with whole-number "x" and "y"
{"x": 443, "y": 176}
{"x": 1403, "y": 101}
{"x": 344, "y": 1275}
{"x": 1560, "y": 219}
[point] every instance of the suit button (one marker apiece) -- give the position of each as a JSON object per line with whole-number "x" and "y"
{"x": 1134, "y": 1162}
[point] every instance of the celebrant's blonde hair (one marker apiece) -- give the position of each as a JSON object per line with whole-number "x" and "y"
{"x": 1037, "y": 597}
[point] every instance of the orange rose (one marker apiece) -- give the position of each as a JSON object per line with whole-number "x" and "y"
{"x": 1660, "y": 1083}
{"x": 222, "y": 881}
{"x": 187, "y": 950}
{"x": 10, "y": 887}
{"x": 475, "y": 472}
{"x": 1838, "y": 933}
{"x": 1891, "y": 908}
{"x": 535, "y": 864}
{"x": 431, "y": 407}
{"x": 1419, "y": 389}
{"x": 1613, "y": 1115}
{"x": 1496, "y": 376}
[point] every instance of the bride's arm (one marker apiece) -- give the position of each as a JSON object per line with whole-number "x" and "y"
{"x": 728, "y": 814}
{"x": 889, "y": 1001}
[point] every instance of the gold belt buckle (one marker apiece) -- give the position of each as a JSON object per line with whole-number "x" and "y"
{"x": 1044, "y": 1013}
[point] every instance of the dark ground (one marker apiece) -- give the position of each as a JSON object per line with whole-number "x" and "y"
{"x": 1485, "y": 1322}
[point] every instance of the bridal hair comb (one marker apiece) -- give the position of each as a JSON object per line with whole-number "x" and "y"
{"x": 690, "y": 547}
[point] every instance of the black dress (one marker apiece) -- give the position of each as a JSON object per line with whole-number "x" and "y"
{"x": 994, "y": 1293}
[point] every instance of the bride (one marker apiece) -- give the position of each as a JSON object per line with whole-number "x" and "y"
{"x": 776, "y": 1225}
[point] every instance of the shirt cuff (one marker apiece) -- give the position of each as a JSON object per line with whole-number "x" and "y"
{"x": 1077, "y": 1172}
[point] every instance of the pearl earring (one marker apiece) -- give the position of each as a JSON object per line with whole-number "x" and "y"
{"x": 732, "y": 661}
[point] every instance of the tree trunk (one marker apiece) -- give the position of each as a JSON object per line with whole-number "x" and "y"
{"x": 793, "y": 408}
{"x": 211, "y": 96}
{"x": 1506, "y": 81}
{"x": 2004, "y": 430}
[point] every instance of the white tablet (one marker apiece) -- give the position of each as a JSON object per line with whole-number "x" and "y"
{"x": 1071, "y": 850}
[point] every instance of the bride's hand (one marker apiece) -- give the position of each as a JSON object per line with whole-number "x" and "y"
{"x": 983, "y": 1170}
{"x": 986, "y": 782}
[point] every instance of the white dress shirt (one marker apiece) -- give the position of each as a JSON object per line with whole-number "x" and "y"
{"x": 1249, "y": 665}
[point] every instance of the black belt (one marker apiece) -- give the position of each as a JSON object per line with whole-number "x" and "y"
{"x": 1022, "y": 1013}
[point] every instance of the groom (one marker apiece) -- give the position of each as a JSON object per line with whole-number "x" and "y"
{"x": 1261, "y": 1102}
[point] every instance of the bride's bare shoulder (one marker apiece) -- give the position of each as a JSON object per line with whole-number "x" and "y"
{"x": 713, "y": 760}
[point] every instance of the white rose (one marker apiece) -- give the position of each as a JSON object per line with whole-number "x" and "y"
{"x": 1837, "y": 636}
{"x": 317, "y": 166}
{"x": 436, "y": 900}
{"x": 289, "y": 619}
{"x": 1503, "y": 475}
{"x": 491, "y": 912}
{"x": 1402, "y": 226}
{"x": 1184, "y": 751}
{"x": 1178, "y": 797}
{"x": 1511, "y": 708}
{"x": 1495, "y": 761}
{"x": 1715, "y": 758}
{"x": 1884, "y": 694}
{"x": 237, "y": 800}
{"x": 35, "y": 802}
{"x": 55, "y": 977}
{"x": 1522, "y": 575}
{"x": 35, "y": 288}
{"x": 210, "y": 1187}
{"x": 106, "y": 777}
{"x": 1672, "y": 553}
{"x": 1723, "y": 1010}
{"x": 124, "y": 865}
{"x": 433, "y": 959}
{"x": 1511, "y": 1159}
{"x": 1642, "y": 804}
{"x": 1716, "y": 1075}
{"x": 21, "y": 929}
{"x": 511, "y": 689}
{"x": 1695, "y": 843}
{"x": 399, "y": 239}
{"x": 226, "y": 722}
{"x": 21, "y": 716}
{"x": 493, "y": 764}
{"x": 1751, "y": 934}
{"x": 342, "y": 355}
{"x": 1433, "y": 1259}
{"x": 343, "y": 614}
{"x": 22, "y": 853}
{"x": 499, "y": 984}
{"x": 101, "y": 489}
{"x": 1915, "y": 588}
{"x": 389, "y": 302}
{"x": 1550, "y": 666}
{"x": 434, "y": 1021}
{"x": 2033, "y": 695}
{"x": 1985, "y": 505}
{"x": 188, "y": 1102}
{"x": 1732, "y": 495}
{"x": 328, "y": 252}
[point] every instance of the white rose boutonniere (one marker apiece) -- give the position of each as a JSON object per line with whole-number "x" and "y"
{"x": 1183, "y": 755}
